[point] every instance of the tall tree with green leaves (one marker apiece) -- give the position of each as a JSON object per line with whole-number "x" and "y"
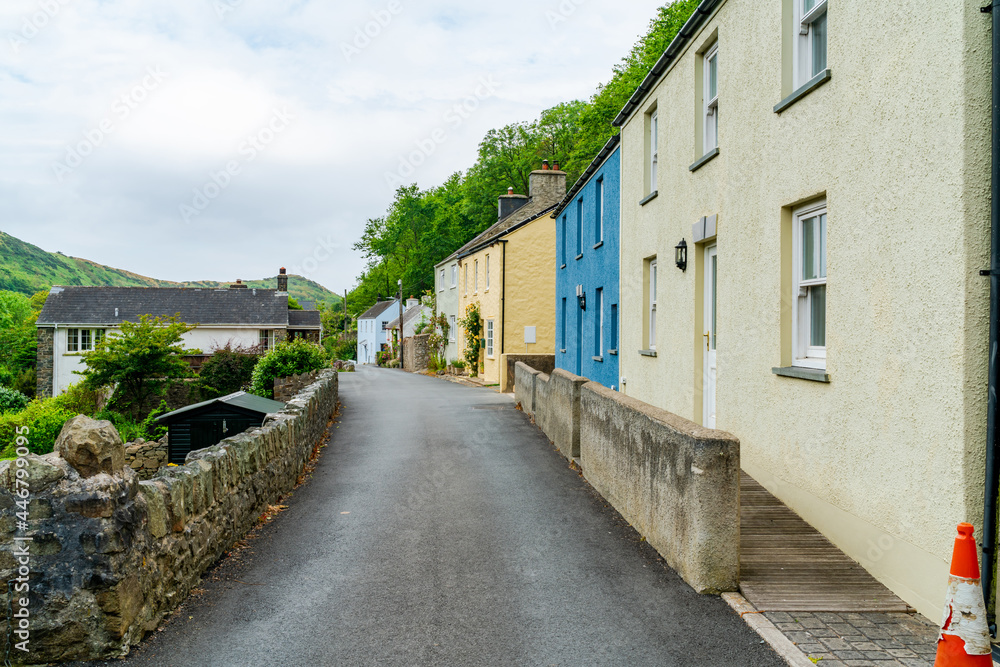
{"x": 138, "y": 362}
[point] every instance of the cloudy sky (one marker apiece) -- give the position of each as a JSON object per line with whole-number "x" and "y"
{"x": 221, "y": 139}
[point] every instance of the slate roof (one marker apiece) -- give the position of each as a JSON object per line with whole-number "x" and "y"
{"x": 303, "y": 319}
{"x": 97, "y": 305}
{"x": 375, "y": 310}
{"x": 239, "y": 399}
{"x": 408, "y": 316}
{"x": 529, "y": 211}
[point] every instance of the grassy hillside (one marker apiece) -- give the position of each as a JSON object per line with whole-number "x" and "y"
{"x": 27, "y": 269}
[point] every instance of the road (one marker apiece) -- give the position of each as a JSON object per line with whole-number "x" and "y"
{"x": 442, "y": 528}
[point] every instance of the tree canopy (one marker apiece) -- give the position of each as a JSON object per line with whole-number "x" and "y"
{"x": 422, "y": 227}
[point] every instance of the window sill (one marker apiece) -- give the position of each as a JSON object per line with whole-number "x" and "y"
{"x": 598, "y": 244}
{"x": 601, "y": 359}
{"x": 580, "y": 256}
{"x": 563, "y": 266}
{"x": 803, "y": 373}
{"x": 650, "y": 197}
{"x": 613, "y": 353}
{"x": 648, "y": 353}
{"x": 803, "y": 90}
{"x": 562, "y": 351}
{"x": 706, "y": 158}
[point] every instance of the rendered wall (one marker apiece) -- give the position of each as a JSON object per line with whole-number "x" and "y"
{"x": 530, "y": 287}
{"x": 488, "y": 299}
{"x": 447, "y": 304}
{"x": 887, "y": 458}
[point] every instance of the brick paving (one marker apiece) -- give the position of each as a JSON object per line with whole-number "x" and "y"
{"x": 860, "y": 640}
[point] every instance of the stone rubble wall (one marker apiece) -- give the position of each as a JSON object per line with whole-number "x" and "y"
{"x": 111, "y": 555}
{"x": 675, "y": 481}
{"x": 287, "y": 387}
{"x": 146, "y": 458}
{"x": 416, "y": 353}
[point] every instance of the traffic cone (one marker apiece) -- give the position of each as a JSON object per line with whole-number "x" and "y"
{"x": 964, "y": 640}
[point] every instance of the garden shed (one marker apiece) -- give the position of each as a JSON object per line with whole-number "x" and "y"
{"x": 207, "y": 423}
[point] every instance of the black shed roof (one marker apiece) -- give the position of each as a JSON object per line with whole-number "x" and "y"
{"x": 112, "y": 305}
{"x": 240, "y": 399}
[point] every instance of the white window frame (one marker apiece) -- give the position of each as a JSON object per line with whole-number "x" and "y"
{"x": 72, "y": 340}
{"x": 803, "y": 66}
{"x": 803, "y": 353}
{"x": 466, "y": 278}
{"x": 83, "y": 340}
{"x": 452, "y": 327}
{"x": 489, "y": 339}
{"x": 599, "y": 311}
{"x": 711, "y": 133}
{"x": 454, "y": 276}
{"x": 475, "y": 277}
{"x": 441, "y": 288}
{"x": 265, "y": 338}
{"x": 652, "y": 304}
{"x": 487, "y": 288}
{"x": 654, "y": 151}
{"x": 600, "y": 210}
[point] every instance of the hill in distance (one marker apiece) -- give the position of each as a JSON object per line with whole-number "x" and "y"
{"x": 27, "y": 269}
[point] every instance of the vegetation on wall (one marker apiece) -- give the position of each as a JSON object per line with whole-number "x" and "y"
{"x": 472, "y": 325}
{"x": 289, "y": 357}
{"x": 229, "y": 369}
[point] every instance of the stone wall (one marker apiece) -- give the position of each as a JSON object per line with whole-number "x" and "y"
{"x": 416, "y": 353}
{"x": 111, "y": 555}
{"x": 146, "y": 458}
{"x": 43, "y": 362}
{"x": 675, "y": 481}
{"x": 546, "y": 363}
{"x": 287, "y": 387}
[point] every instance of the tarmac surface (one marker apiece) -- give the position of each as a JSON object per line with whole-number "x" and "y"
{"x": 442, "y": 528}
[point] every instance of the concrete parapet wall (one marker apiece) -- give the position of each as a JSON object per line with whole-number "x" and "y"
{"x": 524, "y": 387}
{"x": 675, "y": 481}
{"x": 562, "y": 423}
{"x": 112, "y": 555}
{"x": 545, "y": 363}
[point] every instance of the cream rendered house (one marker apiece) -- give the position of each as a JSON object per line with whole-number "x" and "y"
{"x": 827, "y": 165}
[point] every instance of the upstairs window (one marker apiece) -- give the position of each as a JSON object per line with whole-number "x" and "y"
{"x": 599, "y": 210}
{"x": 441, "y": 283}
{"x": 83, "y": 340}
{"x": 652, "y": 150}
{"x": 710, "y": 74}
{"x": 562, "y": 242}
{"x": 475, "y": 277}
{"x": 810, "y": 41}
{"x": 579, "y": 227}
{"x": 454, "y": 275}
{"x": 466, "y": 278}
{"x": 487, "y": 272}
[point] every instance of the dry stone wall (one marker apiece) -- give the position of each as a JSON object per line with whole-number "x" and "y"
{"x": 146, "y": 458}
{"x": 111, "y": 554}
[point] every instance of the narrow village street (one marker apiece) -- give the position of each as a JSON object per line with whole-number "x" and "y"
{"x": 442, "y": 528}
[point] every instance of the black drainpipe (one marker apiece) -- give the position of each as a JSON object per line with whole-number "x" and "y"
{"x": 992, "y": 460}
{"x": 503, "y": 288}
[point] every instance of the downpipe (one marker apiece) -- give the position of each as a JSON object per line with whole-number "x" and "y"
{"x": 992, "y": 455}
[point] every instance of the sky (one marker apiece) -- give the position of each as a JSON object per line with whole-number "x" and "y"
{"x": 223, "y": 139}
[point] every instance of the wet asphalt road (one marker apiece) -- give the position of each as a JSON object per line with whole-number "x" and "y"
{"x": 442, "y": 528}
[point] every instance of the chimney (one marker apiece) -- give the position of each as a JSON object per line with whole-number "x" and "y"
{"x": 282, "y": 280}
{"x": 238, "y": 285}
{"x": 509, "y": 203}
{"x": 547, "y": 186}
{"x": 412, "y": 302}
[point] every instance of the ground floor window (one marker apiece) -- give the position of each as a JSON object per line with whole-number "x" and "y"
{"x": 266, "y": 339}
{"x": 809, "y": 314}
{"x": 452, "y": 327}
{"x": 489, "y": 338}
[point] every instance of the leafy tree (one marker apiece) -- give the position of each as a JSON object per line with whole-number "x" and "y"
{"x": 138, "y": 361}
{"x": 293, "y": 304}
{"x": 229, "y": 369}
{"x": 289, "y": 357}
{"x": 18, "y": 314}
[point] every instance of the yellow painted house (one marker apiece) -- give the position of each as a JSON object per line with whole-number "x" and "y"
{"x": 508, "y": 272}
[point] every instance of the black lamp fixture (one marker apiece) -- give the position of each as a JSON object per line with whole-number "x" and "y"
{"x": 681, "y": 255}
{"x": 581, "y": 297}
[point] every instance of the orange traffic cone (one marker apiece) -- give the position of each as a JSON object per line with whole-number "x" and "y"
{"x": 964, "y": 639}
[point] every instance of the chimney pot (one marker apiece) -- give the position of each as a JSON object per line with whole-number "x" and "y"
{"x": 545, "y": 164}
{"x": 557, "y": 166}
{"x": 510, "y": 190}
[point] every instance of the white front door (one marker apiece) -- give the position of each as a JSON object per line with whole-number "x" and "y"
{"x": 711, "y": 291}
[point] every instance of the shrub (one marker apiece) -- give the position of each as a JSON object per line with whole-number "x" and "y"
{"x": 340, "y": 350}
{"x": 6, "y": 376}
{"x": 128, "y": 429}
{"x": 12, "y": 400}
{"x": 44, "y": 419}
{"x": 459, "y": 364}
{"x": 78, "y": 399}
{"x": 25, "y": 382}
{"x": 229, "y": 369}
{"x": 287, "y": 358}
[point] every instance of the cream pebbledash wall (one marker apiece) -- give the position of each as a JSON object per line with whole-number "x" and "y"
{"x": 206, "y": 339}
{"x": 530, "y": 290}
{"x": 887, "y": 457}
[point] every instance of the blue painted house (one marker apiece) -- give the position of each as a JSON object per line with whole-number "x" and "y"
{"x": 587, "y": 232}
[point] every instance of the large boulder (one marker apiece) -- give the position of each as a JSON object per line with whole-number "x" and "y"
{"x": 91, "y": 446}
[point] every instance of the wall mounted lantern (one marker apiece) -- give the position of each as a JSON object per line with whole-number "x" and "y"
{"x": 681, "y": 255}
{"x": 581, "y": 297}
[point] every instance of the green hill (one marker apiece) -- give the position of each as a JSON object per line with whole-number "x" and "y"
{"x": 27, "y": 269}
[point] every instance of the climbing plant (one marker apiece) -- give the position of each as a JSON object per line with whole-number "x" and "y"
{"x": 472, "y": 325}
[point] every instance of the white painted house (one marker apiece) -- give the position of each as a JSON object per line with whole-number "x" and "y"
{"x": 374, "y": 334}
